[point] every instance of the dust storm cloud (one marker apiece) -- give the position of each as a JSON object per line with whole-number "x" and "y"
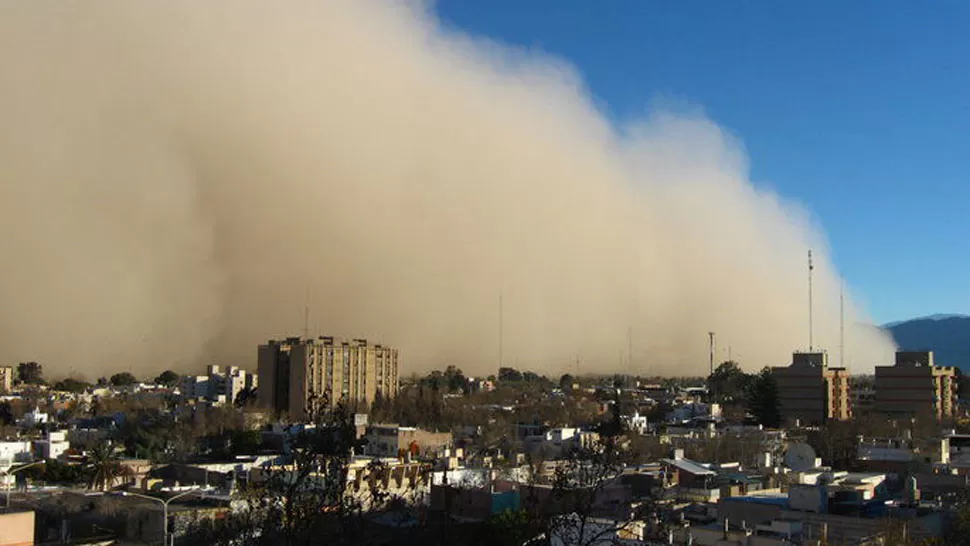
{"x": 177, "y": 179}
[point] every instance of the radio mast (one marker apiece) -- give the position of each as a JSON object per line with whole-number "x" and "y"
{"x": 811, "y": 341}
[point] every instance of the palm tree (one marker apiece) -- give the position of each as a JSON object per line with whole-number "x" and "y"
{"x": 105, "y": 466}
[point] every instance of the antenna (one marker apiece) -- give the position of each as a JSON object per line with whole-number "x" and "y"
{"x": 500, "y": 331}
{"x": 811, "y": 344}
{"x": 629, "y": 342}
{"x": 710, "y": 342}
{"x": 306, "y": 313}
{"x": 842, "y": 324}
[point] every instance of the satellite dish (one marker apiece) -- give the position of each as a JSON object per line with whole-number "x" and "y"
{"x": 800, "y": 457}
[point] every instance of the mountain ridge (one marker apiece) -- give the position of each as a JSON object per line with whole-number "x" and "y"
{"x": 947, "y": 335}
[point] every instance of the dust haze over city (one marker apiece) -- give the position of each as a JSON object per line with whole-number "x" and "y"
{"x": 180, "y": 179}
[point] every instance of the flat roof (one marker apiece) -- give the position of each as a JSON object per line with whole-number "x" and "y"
{"x": 690, "y": 466}
{"x": 773, "y": 499}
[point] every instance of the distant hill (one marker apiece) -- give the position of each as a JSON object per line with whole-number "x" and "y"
{"x": 948, "y": 336}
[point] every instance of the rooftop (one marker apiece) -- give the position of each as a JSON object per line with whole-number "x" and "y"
{"x": 690, "y": 466}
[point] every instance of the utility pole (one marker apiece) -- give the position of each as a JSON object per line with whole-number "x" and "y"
{"x": 710, "y": 344}
{"x": 500, "y": 330}
{"x": 629, "y": 341}
{"x": 811, "y": 341}
{"x": 306, "y": 313}
{"x": 842, "y": 325}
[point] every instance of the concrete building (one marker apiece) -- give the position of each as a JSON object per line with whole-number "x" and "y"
{"x": 219, "y": 384}
{"x": 915, "y": 386}
{"x": 298, "y": 375}
{"x": 811, "y": 392}
{"x": 6, "y": 378}
{"x": 53, "y": 446}
{"x": 395, "y": 441}
{"x": 17, "y": 527}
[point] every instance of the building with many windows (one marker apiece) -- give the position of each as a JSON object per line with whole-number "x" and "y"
{"x": 6, "y": 378}
{"x": 916, "y": 386}
{"x": 810, "y": 392}
{"x": 220, "y": 384}
{"x": 301, "y": 376}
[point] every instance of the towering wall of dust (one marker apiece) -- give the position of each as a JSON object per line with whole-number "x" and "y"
{"x": 178, "y": 176}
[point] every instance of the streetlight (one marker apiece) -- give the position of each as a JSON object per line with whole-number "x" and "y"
{"x": 164, "y": 504}
{"x": 9, "y": 472}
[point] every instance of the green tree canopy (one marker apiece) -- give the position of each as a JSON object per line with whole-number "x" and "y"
{"x": 122, "y": 379}
{"x": 728, "y": 382}
{"x": 763, "y": 400}
{"x": 71, "y": 384}
{"x": 30, "y": 373}
{"x": 167, "y": 378}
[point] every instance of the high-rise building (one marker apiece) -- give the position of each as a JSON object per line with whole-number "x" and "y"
{"x": 811, "y": 392}
{"x": 299, "y": 376}
{"x": 916, "y": 386}
{"x": 6, "y": 378}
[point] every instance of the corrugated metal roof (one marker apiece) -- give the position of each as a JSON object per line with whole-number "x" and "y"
{"x": 690, "y": 466}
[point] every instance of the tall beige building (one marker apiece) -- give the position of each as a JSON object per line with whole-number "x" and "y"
{"x": 299, "y": 375}
{"x": 6, "y": 378}
{"x": 811, "y": 392}
{"x": 916, "y": 386}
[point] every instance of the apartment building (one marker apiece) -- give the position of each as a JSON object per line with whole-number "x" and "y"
{"x": 916, "y": 386}
{"x": 810, "y": 392}
{"x": 6, "y": 378}
{"x": 299, "y": 376}
{"x": 220, "y": 384}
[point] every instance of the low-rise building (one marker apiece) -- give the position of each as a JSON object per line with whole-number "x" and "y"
{"x": 53, "y": 446}
{"x": 390, "y": 440}
{"x": 16, "y": 527}
{"x": 16, "y": 452}
{"x": 220, "y": 384}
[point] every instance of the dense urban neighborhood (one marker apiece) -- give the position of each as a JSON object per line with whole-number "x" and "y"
{"x": 325, "y": 444}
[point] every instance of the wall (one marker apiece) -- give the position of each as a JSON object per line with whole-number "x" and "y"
{"x": 17, "y": 529}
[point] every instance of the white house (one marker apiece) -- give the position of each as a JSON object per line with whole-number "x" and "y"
{"x": 53, "y": 446}
{"x": 34, "y": 418}
{"x": 15, "y": 452}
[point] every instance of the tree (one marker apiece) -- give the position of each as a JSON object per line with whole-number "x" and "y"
{"x": 566, "y": 382}
{"x": 30, "y": 373}
{"x": 763, "y": 400}
{"x": 167, "y": 378}
{"x": 123, "y": 379}
{"x": 6, "y": 414}
{"x": 104, "y": 465}
{"x": 308, "y": 500}
{"x": 246, "y": 397}
{"x": 582, "y": 486}
{"x": 728, "y": 382}
{"x": 959, "y": 532}
{"x": 70, "y": 384}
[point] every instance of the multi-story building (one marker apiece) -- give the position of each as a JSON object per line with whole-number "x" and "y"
{"x": 219, "y": 384}
{"x": 395, "y": 440}
{"x": 299, "y": 376}
{"x": 916, "y": 386}
{"x": 6, "y": 378}
{"x": 810, "y": 392}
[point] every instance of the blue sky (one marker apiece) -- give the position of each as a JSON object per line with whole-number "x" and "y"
{"x": 860, "y": 111}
